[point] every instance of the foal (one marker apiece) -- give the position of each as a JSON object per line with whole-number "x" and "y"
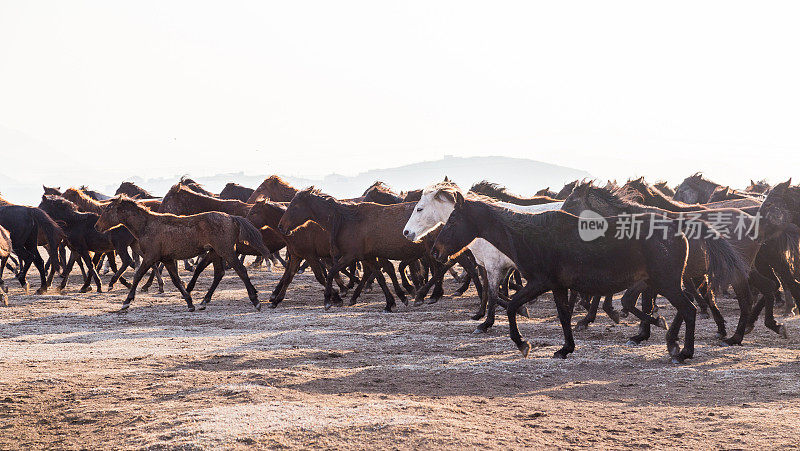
{"x": 166, "y": 238}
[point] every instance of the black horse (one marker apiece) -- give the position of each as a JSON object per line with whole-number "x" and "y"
{"x": 23, "y": 224}
{"x": 550, "y": 253}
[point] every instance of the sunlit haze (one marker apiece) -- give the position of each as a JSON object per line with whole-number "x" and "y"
{"x": 93, "y": 92}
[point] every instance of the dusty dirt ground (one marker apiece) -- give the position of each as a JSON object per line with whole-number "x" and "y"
{"x": 75, "y": 375}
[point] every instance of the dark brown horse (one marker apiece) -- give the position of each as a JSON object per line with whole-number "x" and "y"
{"x": 546, "y": 192}
{"x": 167, "y": 238}
{"x": 133, "y": 191}
{"x": 379, "y": 193}
{"x": 52, "y": 191}
{"x": 664, "y": 188}
{"x": 695, "y": 189}
{"x": 724, "y": 261}
{"x": 83, "y": 238}
{"x": 564, "y": 192}
{"x": 358, "y": 231}
{"x": 498, "y": 192}
{"x": 310, "y": 242}
{"x": 96, "y": 195}
{"x": 24, "y": 225}
{"x": 550, "y": 253}
{"x": 236, "y": 191}
{"x": 275, "y": 189}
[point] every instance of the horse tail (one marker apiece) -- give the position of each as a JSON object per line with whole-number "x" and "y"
{"x": 52, "y": 232}
{"x": 725, "y": 264}
{"x": 249, "y": 235}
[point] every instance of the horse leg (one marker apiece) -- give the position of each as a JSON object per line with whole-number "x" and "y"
{"x": 491, "y": 291}
{"x": 407, "y": 286}
{"x": 687, "y": 312}
{"x": 205, "y": 260}
{"x": 374, "y": 264}
{"x": 338, "y": 264}
{"x": 528, "y": 292}
{"x": 388, "y": 267}
{"x": 172, "y": 269}
{"x": 39, "y": 263}
{"x": 608, "y": 307}
{"x": 137, "y": 277}
{"x": 279, "y": 292}
{"x": 366, "y": 277}
{"x": 219, "y": 271}
{"x": 485, "y": 298}
{"x": 252, "y": 293}
{"x": 591, "y": 314}
{"x": 84, "y": 254}
{"x": 705, "y": 292}
{"x": 66, "y": 271}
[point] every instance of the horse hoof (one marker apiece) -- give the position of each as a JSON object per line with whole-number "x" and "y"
{"x": 418, "y": 302}
{"x": 273, "y": 305}
{"x": 433, "y": 300}
{"x": 614, "y": 315}
{"x": 387, "y": 310}
{"x": 328, "y": 306}
{"x": 143, "y": 289}
{"x": 581, "y": 326}
{"x": 731, "y": 342}
{"x": 560, "y": 354}
{"x": 191, "y": 308}
{"x": 41, "y": 290}
{"x": 749, "y": 329}
{"x": 480, "y": 330}
{"x": 404, "y": 300}
{"x": 458, "y": 293}
{"x": 719, "y": 336}
{"x": 631, "y": 342}
{"x": 661, "y": 322}
{"x": 202, "y": 305}
{"x": 477, "y": 316}
{"x": 677, "y": 360}
{"x": 782, "y": 332}
{"x": 257, "y": 306}
{"x": 524, "y": 348}
{"x": 673, "y": 349}
{"x": 623, "y": 314}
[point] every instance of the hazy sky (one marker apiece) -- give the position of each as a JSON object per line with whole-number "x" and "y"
{"x": 308, "y": 88}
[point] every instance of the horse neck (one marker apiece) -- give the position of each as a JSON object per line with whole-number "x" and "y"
{"x": 658, "y": 200}
{"x": 136, "y": 221}
{"x": 493, "y": 228}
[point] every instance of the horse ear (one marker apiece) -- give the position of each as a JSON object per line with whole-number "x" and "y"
{"x": 789, "y": 182}
{"x": 459, "y": 199}
{"x": 752, "y": 182}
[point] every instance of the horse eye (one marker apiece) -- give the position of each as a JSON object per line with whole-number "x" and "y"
{"x": 419, "y": 209}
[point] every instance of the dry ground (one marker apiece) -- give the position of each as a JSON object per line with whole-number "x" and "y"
{"x": 75, "y": 375}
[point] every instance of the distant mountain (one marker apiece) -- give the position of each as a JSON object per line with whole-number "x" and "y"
{"x": 519, "y": 175}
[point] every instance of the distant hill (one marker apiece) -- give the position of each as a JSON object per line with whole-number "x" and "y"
{"x": 519, "y": 175}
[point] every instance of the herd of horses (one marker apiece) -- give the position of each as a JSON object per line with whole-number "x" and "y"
{"x": 511, "y": 248}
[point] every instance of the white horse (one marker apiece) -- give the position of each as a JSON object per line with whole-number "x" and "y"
{"x": 434, "y": 208}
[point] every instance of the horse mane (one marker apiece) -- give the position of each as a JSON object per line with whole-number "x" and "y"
{"x": 488, "y": 188}
{"x": 134, "y": 187}
{"x": 649, "y": 191}
{"x": 620, "y": 198}
{"x": 274, "y": 178}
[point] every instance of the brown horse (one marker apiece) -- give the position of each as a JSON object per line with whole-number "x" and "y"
{"x": 133, "y": 191}
{"x": 358, "y": 231}
{"x": 564, "y": 192}
{"x": 236, "y": 191}
{"x": 183, "y": 200}
{"x": 275, "y": 189}
{"x": 759, "y": 187}
{"x": 194, "y": 186}
{"x": 498, "y": 192}
{"x": 166, "y": 238}
{"x": 91, "y": 205}
{"x": 695, "y": 189}
{"x": 310, "y": 242}
{"x": 664, "y": 188}
{"x": 546, "y": 192}
{"x": 52, "y": 191}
